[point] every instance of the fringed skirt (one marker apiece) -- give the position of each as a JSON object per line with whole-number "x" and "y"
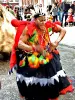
{"x": 47, "y": 81}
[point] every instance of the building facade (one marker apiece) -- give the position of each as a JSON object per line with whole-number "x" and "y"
{"x": 42, "y": 3}
{"x": 9, "y": 2}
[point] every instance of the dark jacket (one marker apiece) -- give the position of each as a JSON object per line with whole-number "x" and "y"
{"x": 65, "y": 7}
{"x": 73, "y": 7}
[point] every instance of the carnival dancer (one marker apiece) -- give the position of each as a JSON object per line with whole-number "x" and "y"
{"x": 39, "y": 72}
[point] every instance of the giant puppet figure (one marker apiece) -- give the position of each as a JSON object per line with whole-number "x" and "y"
{"x": 7, "y": 31}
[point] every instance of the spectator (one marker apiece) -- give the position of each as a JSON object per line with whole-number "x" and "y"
{"x": 54, "y": 11}
{"x": 65, "y": 7}
{"x": 70, "y": 18}
{"x": 73, "y": 7}
{"x": 9, "y": 8}
{"x": 59, "y": 12}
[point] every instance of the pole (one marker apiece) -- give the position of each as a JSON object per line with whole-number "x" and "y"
{"x": 20, "y": 2}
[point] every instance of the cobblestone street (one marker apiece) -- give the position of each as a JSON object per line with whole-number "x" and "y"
{"x": 9, "y": 89}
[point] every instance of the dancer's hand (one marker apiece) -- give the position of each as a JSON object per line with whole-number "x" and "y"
{"x": 38, "y": 48}
{"x": 53, "y": 45}
{"x": 41, "y": 50}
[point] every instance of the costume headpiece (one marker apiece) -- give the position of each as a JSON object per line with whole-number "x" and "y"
{"x": 38, "y": 15}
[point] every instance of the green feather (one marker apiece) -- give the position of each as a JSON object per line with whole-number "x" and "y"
{"x": 49, "y": 29}
{"x": 33, "y": 36}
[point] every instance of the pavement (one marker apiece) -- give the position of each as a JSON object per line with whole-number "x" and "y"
{"x": 69, "y": 38}
{"x": 68, "y": 41}
{"x": 9, "y": 90}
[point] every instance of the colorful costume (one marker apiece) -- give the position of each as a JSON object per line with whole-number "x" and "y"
{"x": 70, "y": 18}
{"x": 39, "y": 77}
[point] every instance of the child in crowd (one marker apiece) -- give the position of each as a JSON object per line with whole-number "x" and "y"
{"x": 70, "y": 18}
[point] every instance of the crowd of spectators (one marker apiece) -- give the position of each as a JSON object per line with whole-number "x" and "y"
{"x": 58, "y": 11}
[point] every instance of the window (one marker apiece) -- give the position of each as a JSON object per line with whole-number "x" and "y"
{"x": 16, "y": 0}
{"x": 11, "y": 0}
{"x": 2, "y": 0}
